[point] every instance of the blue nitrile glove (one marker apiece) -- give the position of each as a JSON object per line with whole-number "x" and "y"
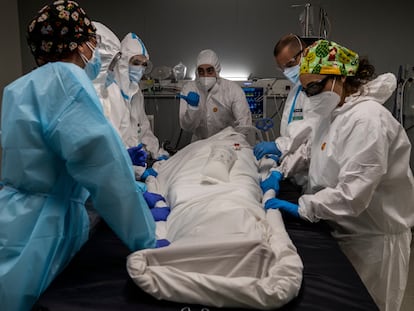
{"x": 149, "y": 172}
{"x": 152, "y": 198}
{"x": 272, "y": 182}
{"x": 160, "y": 213}
{"x": 286, "y": 206}
{"x": 163, "y": 157}
{"x": 162, "y": 243}
{"x": 192, "y": 98}
{"x": 138, "y": 155}
{"x": 266, "y": 147}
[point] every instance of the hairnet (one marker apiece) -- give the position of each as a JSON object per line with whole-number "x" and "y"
{"x": 58, "y": 29}
{"x": 209, "y": 57}
{"x": 329, "y": 58}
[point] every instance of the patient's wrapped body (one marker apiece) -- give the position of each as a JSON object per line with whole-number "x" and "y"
{"x": 226, "y": 250}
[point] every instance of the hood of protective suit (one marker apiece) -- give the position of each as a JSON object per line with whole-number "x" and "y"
{"x": 379, "y": 90}
{"x": 109, "y": 47}
{"x": 131, "y": 45}
{"x": 209, "y": 57}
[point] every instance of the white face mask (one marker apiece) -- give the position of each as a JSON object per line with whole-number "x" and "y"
{"x": 292, "y": 73}
{"x": 136, "y": 73}
{"x": 207, "y": 83}
{"x": 322, "y": 104}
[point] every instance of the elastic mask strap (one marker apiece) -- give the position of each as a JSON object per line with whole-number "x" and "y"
{"x": 90, "y": 46}
{"x": 300, "y": 42}
{"x": 84, "y": 58}
{"x": 333, "y": 84}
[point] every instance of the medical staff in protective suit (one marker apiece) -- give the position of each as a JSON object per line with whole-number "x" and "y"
{"x": 359, "y": 175}
{"x": 58, "y": 148}
{"x": 292, "y": 148}
{"x": 128, "y": 72}
{"x": 108, "y": 91}
{"x": 211, "y": 103}
{"x": 115, "y": 108}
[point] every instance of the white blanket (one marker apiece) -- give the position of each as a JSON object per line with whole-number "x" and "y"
{"x": 225, "y": 250}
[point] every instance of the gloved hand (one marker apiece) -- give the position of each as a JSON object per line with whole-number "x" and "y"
{"x": 152, "y": 198}
{"x": 160, "y": 213}
{"x": 162, "y": 243}
{"x": 286, "y": 206}
{"x": 148, "y": 172}
{"x": 266, "y": 147}
{"x": 163, "y": 157}
{"x": 192, "y": 98}
{"x": 138, "y": 155}
{"x": 272, "y": 182}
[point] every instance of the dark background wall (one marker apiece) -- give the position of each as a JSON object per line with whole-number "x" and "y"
{"x": 242, "y": 32}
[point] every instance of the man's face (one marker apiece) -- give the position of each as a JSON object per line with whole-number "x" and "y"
{"x": 206, "y": 71}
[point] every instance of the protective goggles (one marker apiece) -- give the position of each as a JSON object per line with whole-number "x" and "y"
{"x": 315, "y": 87}
{"x": 139, "y": 60}
{"x": 292, "y": 62}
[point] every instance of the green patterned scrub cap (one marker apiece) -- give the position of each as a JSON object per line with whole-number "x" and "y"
{"x": 329, "y": 58}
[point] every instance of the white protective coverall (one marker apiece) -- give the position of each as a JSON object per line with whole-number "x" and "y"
{"x": 294, "y": 141}
{"x": 139, "y": 125}
{"x": 293, "y": 128}
{"x": 224, "y": 105}
{"x": 363, "y": 186}
{"x": 108, "y": 91}
{"x": 58, "y": 148}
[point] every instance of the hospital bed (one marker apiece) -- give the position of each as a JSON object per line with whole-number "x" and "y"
{"x": 224, "y": 252}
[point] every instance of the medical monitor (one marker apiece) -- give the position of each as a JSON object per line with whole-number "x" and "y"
{"x": 255, "y": 99}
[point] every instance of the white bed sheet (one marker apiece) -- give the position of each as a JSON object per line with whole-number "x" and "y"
{"x": 225, "y": 251}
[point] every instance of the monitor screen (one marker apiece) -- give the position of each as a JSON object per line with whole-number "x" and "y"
{"x": 254, "y": 96}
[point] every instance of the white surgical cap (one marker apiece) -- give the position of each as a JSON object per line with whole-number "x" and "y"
{"x": 209, "y": 57}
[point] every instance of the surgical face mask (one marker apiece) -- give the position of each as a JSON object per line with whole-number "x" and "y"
{"x": 136, "y": 73}
{"x": 207, "y": 82}
{"x": 292, "y": 73}
{"x": 93, "y": 65}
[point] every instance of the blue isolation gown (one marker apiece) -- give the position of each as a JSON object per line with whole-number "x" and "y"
{"x": 58, "y": 148}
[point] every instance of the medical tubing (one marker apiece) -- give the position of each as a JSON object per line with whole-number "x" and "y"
{"x": 278, "y": 108}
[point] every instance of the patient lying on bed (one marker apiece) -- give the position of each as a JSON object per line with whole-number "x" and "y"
{"x": 225, "y": 250}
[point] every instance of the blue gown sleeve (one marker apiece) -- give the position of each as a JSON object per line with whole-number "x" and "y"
{"x": 96, "y": 158}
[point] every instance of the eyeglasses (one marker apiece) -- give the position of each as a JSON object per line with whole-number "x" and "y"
{"x": 96, "y": 40}
{"x": 315, "y": 87}
{"x": 292, "y": 62}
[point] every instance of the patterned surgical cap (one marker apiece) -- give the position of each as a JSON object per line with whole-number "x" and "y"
{"x": 58, "y": 29}
{"x": 329, "y": 58}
